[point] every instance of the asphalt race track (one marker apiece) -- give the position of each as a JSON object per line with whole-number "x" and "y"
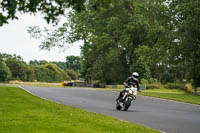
{"x": 165, "y": 115}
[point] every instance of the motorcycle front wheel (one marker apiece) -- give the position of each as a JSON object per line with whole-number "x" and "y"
{"x": 118, "y": 106}
{"x": 126, "y": 105}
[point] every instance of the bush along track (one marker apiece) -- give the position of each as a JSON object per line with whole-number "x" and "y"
{"x": 21, "y": 112}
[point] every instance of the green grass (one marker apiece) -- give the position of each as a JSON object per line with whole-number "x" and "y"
{"x": 172, "y": 94}
{"x": 21, "y": 112}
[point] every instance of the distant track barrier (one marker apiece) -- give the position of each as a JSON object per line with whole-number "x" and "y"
{"x": 83, "y": 84}
{"x": 77, "y": 84}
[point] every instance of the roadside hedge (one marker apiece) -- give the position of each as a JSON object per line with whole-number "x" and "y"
{"x": 50, "y": 73}
{"x": 190, "y": 89}
{"x": 174, "y": 86}
{"x": 154, "y": 86}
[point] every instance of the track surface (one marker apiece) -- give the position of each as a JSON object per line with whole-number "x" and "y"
{"x": 165, "y": 115}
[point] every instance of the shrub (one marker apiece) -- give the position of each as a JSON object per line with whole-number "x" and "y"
{"x": 190, "y": 89}
{"x": 153, "y": 81}
{"x": 144, "y": 81}
{"x": 153, "y": 86}
{"x": 50, "y": 73}
{"x": 174, "y": 86}
{"x": 72, "y": 74}
{"x": 167, "y": 77}
{"x": 41, "y": 74}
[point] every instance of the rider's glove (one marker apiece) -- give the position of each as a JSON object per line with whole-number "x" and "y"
{"x": 126, "y": 85}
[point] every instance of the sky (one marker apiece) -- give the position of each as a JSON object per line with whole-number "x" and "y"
{"x": 14, "y": 39}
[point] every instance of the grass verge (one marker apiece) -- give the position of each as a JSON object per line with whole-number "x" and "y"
{"x": 21, "y": 112}
{"x": 172, "y": 94}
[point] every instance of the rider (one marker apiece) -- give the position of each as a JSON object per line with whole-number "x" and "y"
{"x": 132, "y": 80}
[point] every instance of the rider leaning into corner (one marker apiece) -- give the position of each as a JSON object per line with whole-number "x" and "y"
{"x": 130, "y": 81}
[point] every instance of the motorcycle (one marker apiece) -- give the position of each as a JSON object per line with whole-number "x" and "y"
{"x": 129, "y": 96}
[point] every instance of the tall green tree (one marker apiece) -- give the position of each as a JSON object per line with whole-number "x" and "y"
{"x": 110, "y": 36}
{"x": 5, "y": 73}
{"x": 50, "y": 9}
{"x": 17, "y": 66}
{"x": 157, "y": 38}
{"x": 19, "y": 69}
{"x": 188, "y": 30}
{"x": 73, "y": 63}
{"x": 36, "y": 62}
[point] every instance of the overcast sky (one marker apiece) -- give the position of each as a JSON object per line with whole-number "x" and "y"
{"x": 14, "y": 39}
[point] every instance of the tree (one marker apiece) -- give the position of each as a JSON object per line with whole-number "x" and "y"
{"x": 110, "y": 37}
{"x": 5, "y": 73}
{"x": 35, "y": 62}
{"x": 158, "y": 38}
{"x": 73, "y": 63}
{"x": 60, "y": 64}
{"x": 74, "y": 75}
{"x": 144, "y": 62}
{"x": 17, "y": 67}
{"x": 179, "y": 54}
{"x": 188, "y": 25}
{"x": 20, "y": 70}
{"x": 51, "y": 10}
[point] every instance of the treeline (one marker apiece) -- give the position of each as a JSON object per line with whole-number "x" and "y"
{"x": 12, "y": 67}
{"x": 157, "y": 38}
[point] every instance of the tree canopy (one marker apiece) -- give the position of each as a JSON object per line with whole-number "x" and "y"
{"x": 50, "y": 9}
{"x": 158, "y": 38}
{"x": 12, "y": 67}
{"x": 5, "y": 72}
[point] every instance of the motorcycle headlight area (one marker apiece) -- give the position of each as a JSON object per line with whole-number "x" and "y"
{"x": 130, "y": 91}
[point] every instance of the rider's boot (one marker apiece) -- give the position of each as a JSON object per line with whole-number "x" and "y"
{"x": 120, "y": 95}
